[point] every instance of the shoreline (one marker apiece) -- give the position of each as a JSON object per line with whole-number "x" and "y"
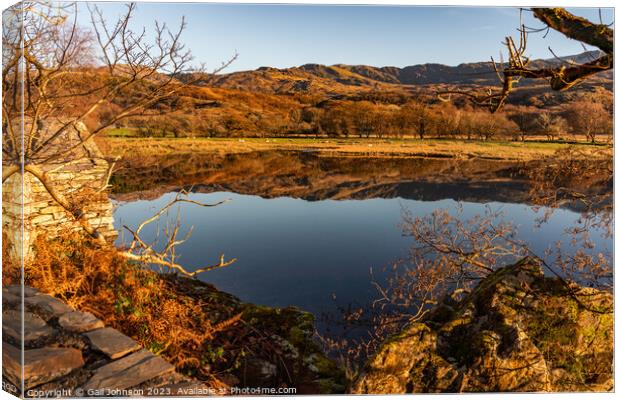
{"x": 379, "y": 148}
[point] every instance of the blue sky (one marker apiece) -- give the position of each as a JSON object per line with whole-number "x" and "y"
{"x": 291, "y": 35}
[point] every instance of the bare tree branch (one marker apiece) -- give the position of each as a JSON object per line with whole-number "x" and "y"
{"x": 560, "y": 78}
{"x": 139, "y": 250}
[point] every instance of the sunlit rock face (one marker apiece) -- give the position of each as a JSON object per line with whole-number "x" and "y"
{"x": 516, "y": 331}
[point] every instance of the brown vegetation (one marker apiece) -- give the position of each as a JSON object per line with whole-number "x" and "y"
{"x": 128, "y": 297}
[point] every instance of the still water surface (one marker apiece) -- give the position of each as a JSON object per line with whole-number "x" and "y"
{"x": 315, "y": 255}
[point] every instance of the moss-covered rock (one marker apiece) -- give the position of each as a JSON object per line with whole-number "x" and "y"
{"x": 301, "y": 361}
{"x": 268, "y": 348}
{"x": 516, "y": 331}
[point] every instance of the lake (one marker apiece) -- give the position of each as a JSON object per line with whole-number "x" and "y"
{"x": 316, "y": 252}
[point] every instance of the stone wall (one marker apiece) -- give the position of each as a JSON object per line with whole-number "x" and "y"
{"x": 69, "y": 353}
{"x": 79, "y": 181}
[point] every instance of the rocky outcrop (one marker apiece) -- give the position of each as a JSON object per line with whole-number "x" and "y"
{"x": 518, "y": 330}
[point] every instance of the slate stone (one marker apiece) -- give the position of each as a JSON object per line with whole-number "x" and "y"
{"x": 10, "y": 299}
{"x": 11, "y": 364}
{"x": 50, "y": 305}
{"x": 17, "y": 290}
{"x": 111, "y": 342}
{"x": 77, "y": 321}
{"x": 40, "y": 365}
{"x": 34, "y": 327}
{"x": 128, "y": 372}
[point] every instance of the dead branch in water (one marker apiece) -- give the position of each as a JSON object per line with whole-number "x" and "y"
{"x": 140, "y": 250}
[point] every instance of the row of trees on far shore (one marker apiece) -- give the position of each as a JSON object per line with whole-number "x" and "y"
{"x": 588, "y": 118}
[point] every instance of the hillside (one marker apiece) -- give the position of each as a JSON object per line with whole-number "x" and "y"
{"x": 343, "y": 78}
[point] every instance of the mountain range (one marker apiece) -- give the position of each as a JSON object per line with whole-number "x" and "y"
{"x": 346, "y": 78}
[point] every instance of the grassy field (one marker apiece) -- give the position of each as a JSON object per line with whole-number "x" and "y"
{"x": 500, "y": 150}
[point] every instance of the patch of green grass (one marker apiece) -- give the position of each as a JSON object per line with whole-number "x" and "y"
{"x": 122, "y": 132}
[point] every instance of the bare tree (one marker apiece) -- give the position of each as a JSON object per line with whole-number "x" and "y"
{"x": 590, "y": 119}
{"x": 364, "y": 118}
{"x": 419, "y": 114}
{"x": 59, "y": 82}
{"x": 551, "y": 125}
{"x": 525, "y": 118}
{"x": 68, "y": 74}
{"x": 561, "y": 77}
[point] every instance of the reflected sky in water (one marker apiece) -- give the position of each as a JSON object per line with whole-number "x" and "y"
{"x": 297, "y": 252}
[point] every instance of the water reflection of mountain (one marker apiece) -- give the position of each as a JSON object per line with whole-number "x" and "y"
{"x": 313, "y": 176}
